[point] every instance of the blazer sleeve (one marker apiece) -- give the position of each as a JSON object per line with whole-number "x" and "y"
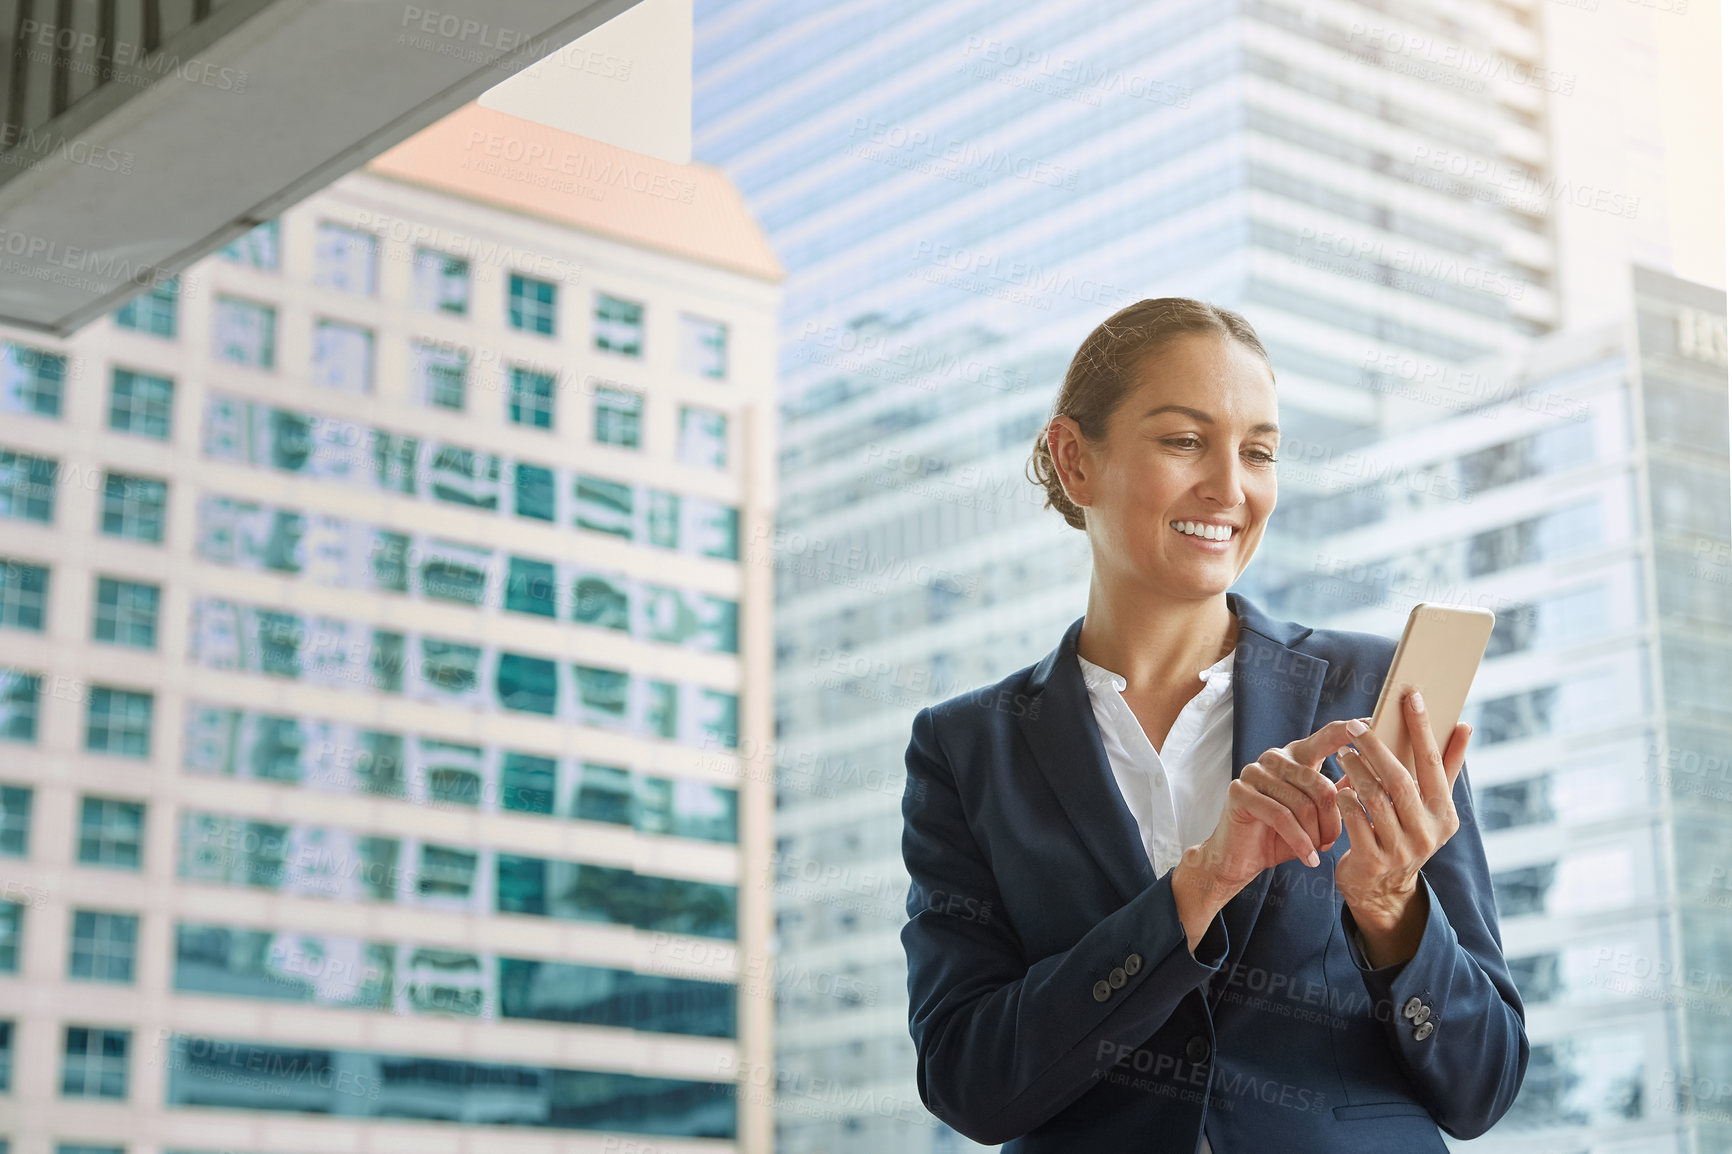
{"x": 1468, "y": 1066}
{"x": 1002, "y": 1043}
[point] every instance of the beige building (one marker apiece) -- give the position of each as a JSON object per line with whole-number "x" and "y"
{"x": 376, "y": 656}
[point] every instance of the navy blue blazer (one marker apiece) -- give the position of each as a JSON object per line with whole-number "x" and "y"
{"x": 1054, "y": 1004}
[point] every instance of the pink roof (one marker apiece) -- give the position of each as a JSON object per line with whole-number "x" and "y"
{"x": 689, "y": 210}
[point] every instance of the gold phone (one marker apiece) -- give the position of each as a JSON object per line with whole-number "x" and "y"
{"x": 1439, "y": 653}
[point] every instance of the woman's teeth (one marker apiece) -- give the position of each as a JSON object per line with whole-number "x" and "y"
{"x": 1199, "y": 529}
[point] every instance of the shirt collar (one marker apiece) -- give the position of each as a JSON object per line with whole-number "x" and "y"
{"x": 1217, "y": 678}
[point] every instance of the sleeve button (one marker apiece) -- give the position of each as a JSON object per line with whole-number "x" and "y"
{"x": 1419, "y": 1019}
{"x": 1412, "y": 1007}
{"x": 1116, "y": 979}
{"x": 1423, "y": 1031}
{"x": 1133, "y": 964}
{"x": 1102, "y": 991}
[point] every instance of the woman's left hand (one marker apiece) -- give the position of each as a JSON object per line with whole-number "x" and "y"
{"x": 1412, "y": 815}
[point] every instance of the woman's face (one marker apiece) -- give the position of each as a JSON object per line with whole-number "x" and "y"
{"x": 1193, "y": 441}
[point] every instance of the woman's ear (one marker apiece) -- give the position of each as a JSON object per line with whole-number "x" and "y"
{"x": 1064, "y": 442}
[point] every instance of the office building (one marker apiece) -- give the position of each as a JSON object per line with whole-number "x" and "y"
{"x": 962, "y": 191}
{"x": 379, "y": 655}
{"x": 1581, "y": 495}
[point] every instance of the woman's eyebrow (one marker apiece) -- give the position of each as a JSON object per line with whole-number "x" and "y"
{"x": 1200, "y": 415}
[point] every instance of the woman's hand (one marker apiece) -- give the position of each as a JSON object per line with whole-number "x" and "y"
{"x": 1279, "y": 807}
{"x": 1411, "y": 816}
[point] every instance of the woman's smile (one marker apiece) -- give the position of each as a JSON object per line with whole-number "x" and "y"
{"x": 1206, "y": 536}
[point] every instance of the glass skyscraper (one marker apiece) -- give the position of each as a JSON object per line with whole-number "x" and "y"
{"x": 377, "y": 661}
{"x": 1588, "y": 509}
{"x": 960, "y": 192}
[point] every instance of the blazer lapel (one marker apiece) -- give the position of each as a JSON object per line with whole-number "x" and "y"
{"x": 1275, "y": 694}
{"x": 1059, "y": 724}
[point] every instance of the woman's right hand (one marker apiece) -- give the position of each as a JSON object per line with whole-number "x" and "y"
{"x": 1280, "y": 807}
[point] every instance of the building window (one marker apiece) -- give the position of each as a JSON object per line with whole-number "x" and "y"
{"x": 23, "y": 595}
{"x": 346, "y": 260}
{"x": 244, "y": 333}
{"x": 618, "y": 417}
{"x": 152, "y": 311}
{"x": 14, "y": 821}
{"x": 11, "y": 931}
{"x": 27, "y": 486}
{"x": 5, "y": 1059}
{"x": 316, "y": 1079}
{"x": 141, "y": 403}
{"x": 31, "y": 381}
{"x": 343, "y": 356}
{"x": 95, "y": 1063}
{"x": 532, "y": 304}
{"x": 80, "y": 1148}
{"x": 20, "y": 698}
{"x": 618, "y": 326}
{"x": 134, "y": 507}
{"x": 526, "y": 783}
{"x": 530, "y": 587}
{"x": 703, "y": 438}
{"x": 257, "y": 248}
{"x": 446, "y": 872}
{"x": 441, "y": 375}
{"x": 118, "y": 722}
{"x": 125, "y": 613}
{"x": 103, "y": 946}
{"x": 111, "y": 833}
{"x": 531, "y": 399}
{"x": 535, "y": 492}
{"x": 441, "y": 282}
{"x": 703, "y": 347}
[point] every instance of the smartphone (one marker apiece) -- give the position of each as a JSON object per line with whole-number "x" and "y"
{"x": 1439, "y": 652}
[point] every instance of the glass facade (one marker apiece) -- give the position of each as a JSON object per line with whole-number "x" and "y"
{"x": 331, "y": 449}
{"x": 202, "y": 1072}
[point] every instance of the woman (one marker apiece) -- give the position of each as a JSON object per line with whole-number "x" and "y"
{"x": 1168, "y": 892}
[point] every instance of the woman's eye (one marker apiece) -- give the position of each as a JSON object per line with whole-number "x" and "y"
{"x": 1181, "y": 442}
{"x": 1266, "y": 458}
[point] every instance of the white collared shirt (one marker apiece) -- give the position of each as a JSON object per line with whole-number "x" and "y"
{"x": 1176, "y": 793}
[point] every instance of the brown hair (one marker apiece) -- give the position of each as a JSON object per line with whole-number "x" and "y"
{"x": 1100, "y": 374}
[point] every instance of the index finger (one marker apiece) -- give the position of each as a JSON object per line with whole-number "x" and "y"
{"x": 1313, "y": 749}
{"x": 1427, "y": 761}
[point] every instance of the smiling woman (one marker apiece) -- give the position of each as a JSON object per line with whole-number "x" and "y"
{"x": 1224, "y": 916}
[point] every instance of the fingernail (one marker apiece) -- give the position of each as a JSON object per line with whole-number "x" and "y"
{"x": 1356, "y": 727}
{"x": 1416, "y": 701}
{"x": 1313, "y": 859}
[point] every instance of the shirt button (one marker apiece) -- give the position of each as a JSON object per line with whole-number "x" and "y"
{"x": 1197, "y": 1049}
{"x": 1423, "y": 1031}
{"x": 1117, "y": 978}
{"x": 1102, "y": 991}
{"x": 1133, "y": 964}
{"x": 1159, "y": 781}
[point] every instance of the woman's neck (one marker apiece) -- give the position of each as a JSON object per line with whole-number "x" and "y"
{"x": 1156, "y": 642}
